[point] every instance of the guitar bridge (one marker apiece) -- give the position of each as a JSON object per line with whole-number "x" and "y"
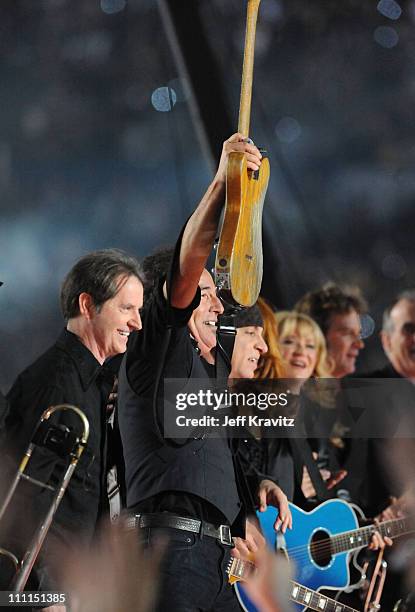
{"x": 222, "y": 280}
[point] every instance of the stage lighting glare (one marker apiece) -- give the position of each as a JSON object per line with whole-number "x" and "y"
{"x": 135, "y": 98}
{"x": 386, "y": 37}
{"x": 288, "y": 129}
{"x": 54, "y": 4}
{"x": 367, "y": 325}
{"x": 163, "y": 99}
{"x": 389, "y": 9}
{"x": 34, "y": 121}
{"x": 394, "y": 266}
{"x": 113, "y": 6}
{"x": 92, "y": 47}
{"x": 180, "y": 88}
{"x": 272, "y": 11}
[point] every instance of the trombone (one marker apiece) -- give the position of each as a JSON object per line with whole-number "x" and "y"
{"x": 66, "y": 444}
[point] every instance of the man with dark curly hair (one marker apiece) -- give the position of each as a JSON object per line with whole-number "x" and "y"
{"x": 337, "y": 311}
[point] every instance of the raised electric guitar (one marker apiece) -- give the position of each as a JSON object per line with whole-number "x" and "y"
{"x": 238, "y": 267}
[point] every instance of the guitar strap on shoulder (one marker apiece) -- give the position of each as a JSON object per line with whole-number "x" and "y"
{"x": 303, "y": 456}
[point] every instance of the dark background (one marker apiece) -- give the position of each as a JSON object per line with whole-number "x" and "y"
{"x": 87, "y": 161}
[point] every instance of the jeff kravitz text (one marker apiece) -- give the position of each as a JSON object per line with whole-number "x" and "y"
{"x": 238, "y": 421}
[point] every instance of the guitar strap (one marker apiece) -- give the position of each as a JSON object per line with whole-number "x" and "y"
{"x": 225, "y": 340}
{"x": 303, "y": 456}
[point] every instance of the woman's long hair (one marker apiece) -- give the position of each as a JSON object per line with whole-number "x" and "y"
{"x": 270, "y": 365}
{"x": 290, "y": 322}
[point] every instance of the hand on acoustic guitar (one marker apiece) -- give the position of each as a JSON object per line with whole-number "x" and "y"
{"x": 268, "y": 493}
{"x": 399, "y": 506}
{"x": 253, "y": 542}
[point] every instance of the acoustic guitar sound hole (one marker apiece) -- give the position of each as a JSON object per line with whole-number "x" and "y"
{"x": 320, "y": 548}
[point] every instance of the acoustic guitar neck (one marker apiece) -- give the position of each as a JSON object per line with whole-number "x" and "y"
{"x": 241, "y": 570}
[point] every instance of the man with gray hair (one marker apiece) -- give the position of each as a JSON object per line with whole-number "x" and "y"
{"x": 101, "y": 298}
{"x": 398, "y": 337}
{"x": 398, "y": 341}
{"x": 384, "y": 486}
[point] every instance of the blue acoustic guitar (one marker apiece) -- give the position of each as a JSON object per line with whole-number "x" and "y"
{"x": 320, "y": 543}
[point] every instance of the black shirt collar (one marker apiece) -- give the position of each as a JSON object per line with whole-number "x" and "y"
{"x": 86, "y": 364}
{"x": 390, "y": 372}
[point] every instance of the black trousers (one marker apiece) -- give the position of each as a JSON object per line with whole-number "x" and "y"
{"x": 193, "y": 572}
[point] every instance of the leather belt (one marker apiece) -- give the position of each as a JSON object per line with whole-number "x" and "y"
{"x": 164, "y": 519}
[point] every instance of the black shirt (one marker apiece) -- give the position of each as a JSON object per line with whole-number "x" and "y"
{"x": 66, "y": 373}
{"x": 369, "y": 460}
{"x": 143, "y": 361}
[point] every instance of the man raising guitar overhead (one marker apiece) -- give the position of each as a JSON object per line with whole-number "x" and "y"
{"x": 192, "y": 494}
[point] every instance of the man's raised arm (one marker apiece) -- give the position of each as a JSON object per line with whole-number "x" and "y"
{"x": 200, "y": 231}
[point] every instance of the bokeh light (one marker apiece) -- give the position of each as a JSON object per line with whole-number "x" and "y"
{"x": 113, "y": 6}
{"x": 288, "y": 129}
{"x": 394, "y": 266}
{"x": 389, "y": 9}
{"x": 163, "y": 99}
{"x": 386, "y": 37}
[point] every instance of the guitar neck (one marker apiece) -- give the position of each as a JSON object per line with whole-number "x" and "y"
{"x": 240, "y": 570}
{"x": 248, "y": 68}
{"x": 359, "y": 538}
{"x": 315, "y": 601}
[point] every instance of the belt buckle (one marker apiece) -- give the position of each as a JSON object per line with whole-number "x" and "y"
{"x": 130, "y": 522}
{"x": 225, "y": 535}
{"x": 137, "y": 520}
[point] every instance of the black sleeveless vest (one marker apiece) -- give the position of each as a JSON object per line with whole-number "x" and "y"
{"x": 203, "y": 467}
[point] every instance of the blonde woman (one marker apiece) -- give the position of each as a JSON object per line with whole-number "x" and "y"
{"x": 302, "y": 346}
{"x": 296, "y": 346}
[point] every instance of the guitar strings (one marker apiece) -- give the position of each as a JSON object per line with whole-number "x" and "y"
{"x": 344, "y": 535}
{"x": 325, "y": 546}
{"x": 302, "y": 553}
{"x": 239, "y": 565}
{"x": 342, "y": 538}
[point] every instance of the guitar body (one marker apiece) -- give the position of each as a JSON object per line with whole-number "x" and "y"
{"x": 312, "y": 568}
{"x": 238, "y": 269}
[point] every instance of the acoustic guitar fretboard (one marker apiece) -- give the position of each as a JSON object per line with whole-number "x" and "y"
{"x": 359, "y": 538}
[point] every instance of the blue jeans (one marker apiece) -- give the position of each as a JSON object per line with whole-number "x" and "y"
{"x": 193, "y": 572}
